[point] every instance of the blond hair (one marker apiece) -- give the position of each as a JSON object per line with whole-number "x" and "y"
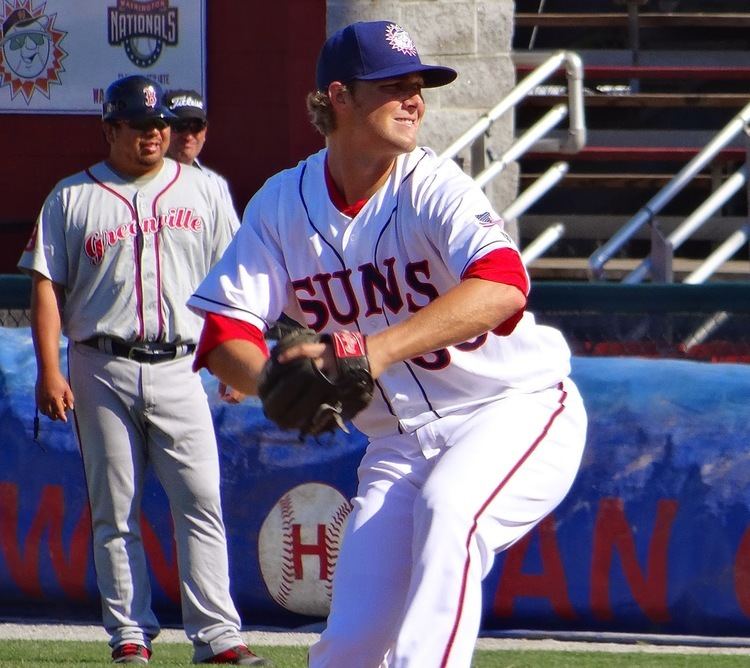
{"x": 320, "y": 109}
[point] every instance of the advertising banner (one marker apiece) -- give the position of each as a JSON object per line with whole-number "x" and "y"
{"x": 58, "y": 56}
{"x": 654, "y": 536}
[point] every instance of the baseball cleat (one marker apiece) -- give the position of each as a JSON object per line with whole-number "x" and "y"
{"x": 239, "y": 656}
{"x": 131, "y": 653}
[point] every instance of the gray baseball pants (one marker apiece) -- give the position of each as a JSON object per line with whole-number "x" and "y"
{"x": 129, "y": 415}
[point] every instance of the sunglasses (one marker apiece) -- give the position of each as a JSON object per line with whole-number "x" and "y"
{"x": 193, "y": 125}
{"x": 147, "y": 124}
{"x": 19, "y": 40}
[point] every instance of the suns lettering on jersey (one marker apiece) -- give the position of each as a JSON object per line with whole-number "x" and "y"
{"x": 391, "y": 291}
{"x": 380, "y": 291}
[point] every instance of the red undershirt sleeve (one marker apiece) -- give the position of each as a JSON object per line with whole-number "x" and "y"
{"x": 503, "y": 265}
{"x": 220, "y": 328}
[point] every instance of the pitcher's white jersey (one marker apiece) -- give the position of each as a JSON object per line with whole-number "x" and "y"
{"x": 129, "y": 254}
{"x": 412, "y": 241}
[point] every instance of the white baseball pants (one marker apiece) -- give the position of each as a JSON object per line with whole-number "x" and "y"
{"x": 432, "y": 510}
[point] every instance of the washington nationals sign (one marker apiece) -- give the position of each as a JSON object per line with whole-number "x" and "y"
{"x": 143, "y": 28}
{"x": 58, "y": 56}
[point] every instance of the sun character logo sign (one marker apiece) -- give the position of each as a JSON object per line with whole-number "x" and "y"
{"x": 30, "y": 52}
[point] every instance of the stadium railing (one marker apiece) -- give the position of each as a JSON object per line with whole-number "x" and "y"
{"x": 708, "y": 322}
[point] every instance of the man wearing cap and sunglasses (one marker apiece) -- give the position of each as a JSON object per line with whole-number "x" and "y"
{"x": 475, "y": 430}
{"x": 189, "y": 130}
{"x": 116, "y": 251}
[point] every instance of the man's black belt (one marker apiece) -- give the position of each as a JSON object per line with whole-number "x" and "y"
{"x": 147, "y": 352}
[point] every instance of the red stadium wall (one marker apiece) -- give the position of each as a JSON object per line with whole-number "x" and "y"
{"x": 260, "y": 65}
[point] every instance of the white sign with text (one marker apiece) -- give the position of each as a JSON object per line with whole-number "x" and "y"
{"x": 58, "y": 56}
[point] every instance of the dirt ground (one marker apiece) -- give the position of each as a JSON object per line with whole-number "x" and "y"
{"x": 576, "y": 642}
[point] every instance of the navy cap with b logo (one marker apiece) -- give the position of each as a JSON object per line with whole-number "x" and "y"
{"x": 374, "y": 50}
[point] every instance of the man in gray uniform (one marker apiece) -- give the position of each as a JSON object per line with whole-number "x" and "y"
{"x": 116, "y": 251}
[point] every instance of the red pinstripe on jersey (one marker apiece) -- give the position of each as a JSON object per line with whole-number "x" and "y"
{"x": 136, "y": 253}
{"x": 156, "y": 249}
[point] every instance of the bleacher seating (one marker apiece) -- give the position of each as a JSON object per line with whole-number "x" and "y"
{"x": 653, "y": 99}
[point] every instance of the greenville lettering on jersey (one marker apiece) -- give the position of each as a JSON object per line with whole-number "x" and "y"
{"x": 179, "y": 218}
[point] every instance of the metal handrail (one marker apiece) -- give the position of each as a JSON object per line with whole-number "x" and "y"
{"x": 648, "y": 212}
{"x": 723, "y": 253}
{"x": 523, "y": 143}
{"x": 694, "y": 221}
{"x": 574, "y": 140}
{"x": 540, "y": 245}
{"x": 547, "y": 65}
{"x": 540, "y": 186}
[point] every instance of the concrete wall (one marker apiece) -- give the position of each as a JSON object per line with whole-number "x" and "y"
{"x": 472, "y": 36}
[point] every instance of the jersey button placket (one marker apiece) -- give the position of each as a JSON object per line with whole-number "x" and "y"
{"x": 148, "y": 273}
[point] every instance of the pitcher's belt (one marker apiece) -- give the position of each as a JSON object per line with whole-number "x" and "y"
{"x": 147, "y": 352}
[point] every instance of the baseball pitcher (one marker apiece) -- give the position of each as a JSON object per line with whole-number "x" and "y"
{"x": 412, "y": 298}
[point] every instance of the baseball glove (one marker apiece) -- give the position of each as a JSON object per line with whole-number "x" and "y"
{"x": 298, "y": 395}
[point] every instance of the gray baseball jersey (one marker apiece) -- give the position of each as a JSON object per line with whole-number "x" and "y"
{"x": 223, "y": 186}
{"x": 130, "y": 254}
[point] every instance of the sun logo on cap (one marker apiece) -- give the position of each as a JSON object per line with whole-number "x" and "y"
{"x": 400, "y": 40}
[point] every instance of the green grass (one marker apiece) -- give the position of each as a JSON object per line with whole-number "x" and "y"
{"x": 75, "y": 653}
{"x": 80, "y": 653}
{"x": 550, "y": 659}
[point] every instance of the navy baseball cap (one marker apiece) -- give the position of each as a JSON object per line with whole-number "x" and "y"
{"x": 374, "y": 50}
{"x": 185, "y": 104}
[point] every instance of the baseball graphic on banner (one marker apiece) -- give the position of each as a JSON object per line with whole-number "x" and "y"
{"x": 298, "y": 546}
